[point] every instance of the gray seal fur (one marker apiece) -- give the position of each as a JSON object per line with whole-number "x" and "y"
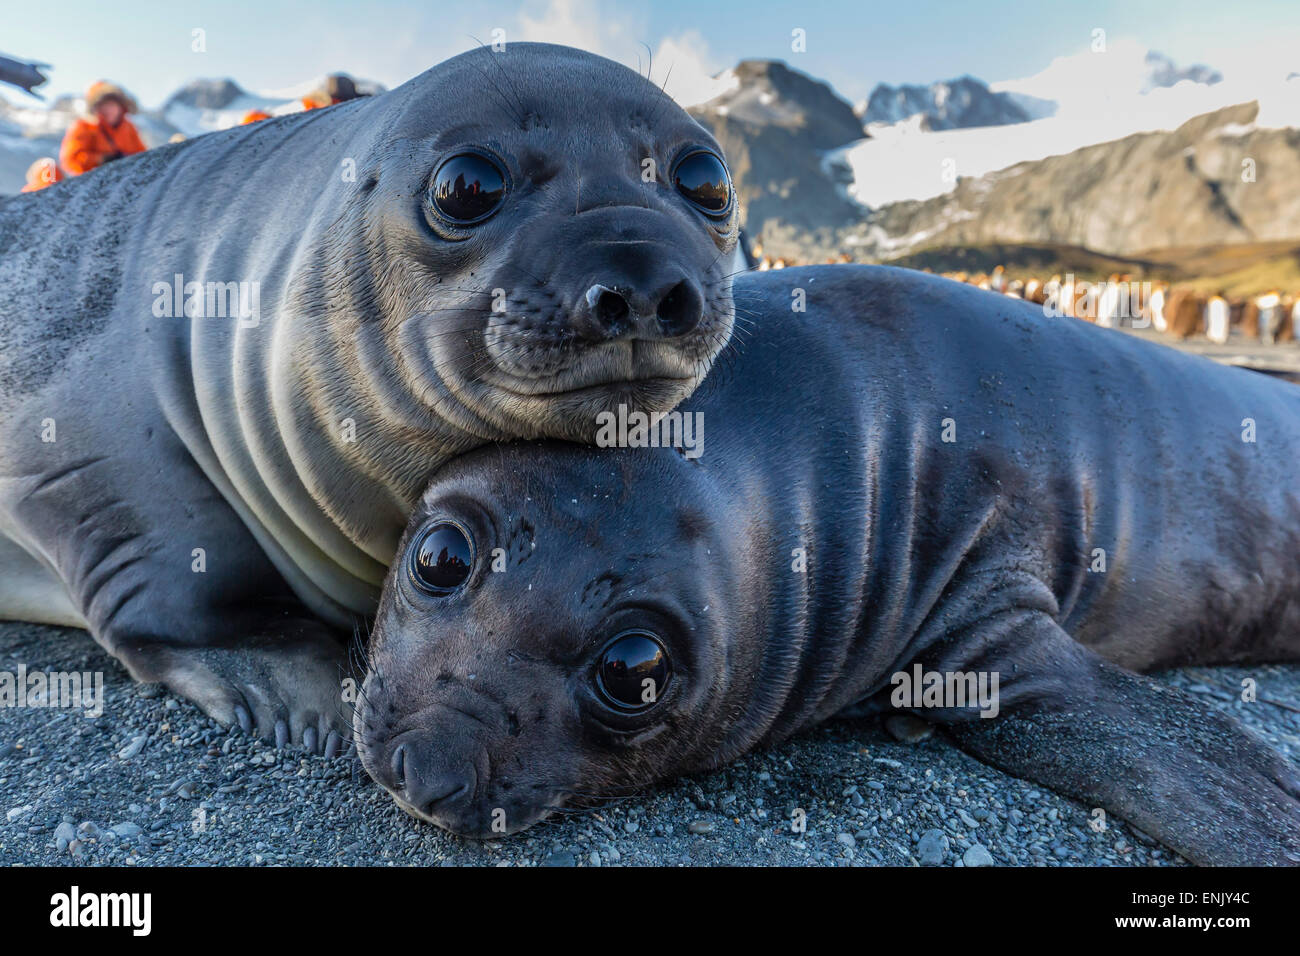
{"x": 197, "y": 487}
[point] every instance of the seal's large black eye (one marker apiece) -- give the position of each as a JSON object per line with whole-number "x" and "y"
{"x": 633, "y": 671}
{"x": 702, "y": 178}
{"x": 467, "y": 188}
{"x": 441, "y": 559}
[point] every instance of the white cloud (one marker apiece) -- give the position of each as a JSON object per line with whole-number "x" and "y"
{"x": 683, "y": 60}
{"x": 578, "y": 23}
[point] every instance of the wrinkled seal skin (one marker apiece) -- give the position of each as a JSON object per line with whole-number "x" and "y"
{"x": 824, "y": 433}
{"x": 376, "y": 316}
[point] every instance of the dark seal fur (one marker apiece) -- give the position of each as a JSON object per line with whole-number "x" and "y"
{"x": 825, "y": 440}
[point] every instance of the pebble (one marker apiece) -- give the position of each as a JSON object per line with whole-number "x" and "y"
{"x": 286, "y": 809}
{"x": 977, "y": 855}
{"x": 908, "y": 729}
{"x": 932, "y": 848}
{"x": 90, "y": 831}
{"x": 133, "y": 748}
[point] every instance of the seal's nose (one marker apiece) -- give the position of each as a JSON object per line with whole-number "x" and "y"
{"x": 673, "y": 309}
{"x": 427, "y": 786}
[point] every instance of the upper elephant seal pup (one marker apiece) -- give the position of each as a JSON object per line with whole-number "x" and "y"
{"x": 942, "y": 479}
{"x": 233, "y": 364}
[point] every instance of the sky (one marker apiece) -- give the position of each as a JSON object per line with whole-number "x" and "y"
{"x": 150, "y": 46}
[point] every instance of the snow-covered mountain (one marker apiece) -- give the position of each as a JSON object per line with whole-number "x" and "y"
{"x": 1110, "y": 125}
{"x": 771, "y": 93}
{"x": 1148, "y": 190}
{"x": 949, "y": 104}
{"x": 1164, "y": 72}
{"x": 776, "y": 125}
{"x": 1077, "y": 101}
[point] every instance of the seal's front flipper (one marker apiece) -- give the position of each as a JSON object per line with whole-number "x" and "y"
{"x": 1187, "y": 774}
{"x": 286, "y": 686}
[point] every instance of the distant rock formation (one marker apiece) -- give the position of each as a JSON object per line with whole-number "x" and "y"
{"x": 950, "y": 104}
{"x": 775, "y": 125}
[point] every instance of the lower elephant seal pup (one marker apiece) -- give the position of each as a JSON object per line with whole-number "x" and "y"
{"x": 229, "y": 367}
{"x": 910, "y": 473}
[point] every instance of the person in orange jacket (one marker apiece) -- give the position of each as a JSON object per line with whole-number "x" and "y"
{"x": 44, "y": 172}
{"x": 338, "y": 88}
{"x": 254, "y": 116}
{"x": 102, "y": 136}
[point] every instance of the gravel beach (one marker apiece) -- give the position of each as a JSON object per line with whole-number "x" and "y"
{"x": 152, "y": 781}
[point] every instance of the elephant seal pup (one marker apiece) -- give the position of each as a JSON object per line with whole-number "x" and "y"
{"x": 229, "y": 367}
{"x": 910, "y": 473}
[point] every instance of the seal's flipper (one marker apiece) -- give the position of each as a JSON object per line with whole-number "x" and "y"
{"x": 286, "y": 685}
{"x": 1185, "y": 773}
{"x": 176, "y": 588}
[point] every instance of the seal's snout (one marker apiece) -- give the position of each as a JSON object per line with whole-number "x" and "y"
{"x": 668, "y": 309}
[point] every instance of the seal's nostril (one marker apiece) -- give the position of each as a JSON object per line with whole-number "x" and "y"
{"x": 426, "y": 794}
{"x": 607, "y": 306}
{"x": 680, "y": 310}
{"x": 399, "y": 768}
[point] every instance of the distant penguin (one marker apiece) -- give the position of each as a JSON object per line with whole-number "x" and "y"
{"x": 1216, "y": 319}
{"x": 1270, "y": 316}
{"x": 1108, "y": 303}
{"x": 1157, "y": 306}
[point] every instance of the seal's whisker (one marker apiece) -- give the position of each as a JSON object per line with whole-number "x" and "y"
{"x": 519, "y": 99}
{"x": 540, "y": 282}
{"x": 664, "y": 98}
{"x": 514, "y": 109}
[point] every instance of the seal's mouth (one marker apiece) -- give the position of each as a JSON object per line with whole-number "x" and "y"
{"x": 629, "y": 366}
{"x": 613, "y": 384}
{"x": 476, "y": 828}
